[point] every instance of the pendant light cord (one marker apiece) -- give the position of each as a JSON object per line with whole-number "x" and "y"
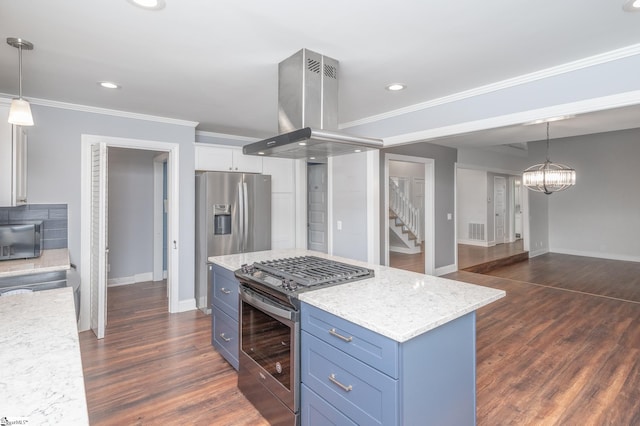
{"x": 20, "y": 69}
{"x": 548, "y": 142}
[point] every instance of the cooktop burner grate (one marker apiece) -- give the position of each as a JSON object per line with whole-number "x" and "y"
{"x": 309, "y": 271}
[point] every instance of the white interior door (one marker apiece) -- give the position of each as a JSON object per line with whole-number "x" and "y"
{"x": 499, "y": 208}
{"x": 99, "y": 249}
{"x": 317, "y": 207}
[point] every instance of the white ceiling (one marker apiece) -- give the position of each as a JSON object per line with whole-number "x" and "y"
{"x": 215, "y": 62}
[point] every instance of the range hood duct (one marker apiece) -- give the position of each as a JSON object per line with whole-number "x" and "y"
{"x": 308, "y": 113}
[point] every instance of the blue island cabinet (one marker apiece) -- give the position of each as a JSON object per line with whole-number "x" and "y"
{"x": 354, "y": 376}
{"x": 224, "y": 298}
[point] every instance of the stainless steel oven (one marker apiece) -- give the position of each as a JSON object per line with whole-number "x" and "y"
{"x": 269, "y": 357}
{"x": 269, "y": 361}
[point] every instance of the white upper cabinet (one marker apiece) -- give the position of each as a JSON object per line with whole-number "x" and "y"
{"x": 13, "y": 162}
{"x": 225, "y": 159}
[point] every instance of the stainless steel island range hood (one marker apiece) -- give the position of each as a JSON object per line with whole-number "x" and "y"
{"x": 308, "y": 113}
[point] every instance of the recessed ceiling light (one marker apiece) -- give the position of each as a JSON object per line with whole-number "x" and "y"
{"x": 302, "y": 143}
{"x": 632, "y": 5}
{"x": 108, "y": 85}
{"x": 394, "y": 87}
{"x": 357, "y": 150}
{"x": 261, "y": 153}
{"x": 149, "y": 4}
{"x": 550, "y": 119}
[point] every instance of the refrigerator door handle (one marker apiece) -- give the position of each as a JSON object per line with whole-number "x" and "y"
{"x": 245, "y": 228}
{"x": 241, "y": 214}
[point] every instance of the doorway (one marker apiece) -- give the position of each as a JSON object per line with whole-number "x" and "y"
{"x": 409, "y": 213}
{"x": 94, "y": 251}
{"x": 499, "y": 209}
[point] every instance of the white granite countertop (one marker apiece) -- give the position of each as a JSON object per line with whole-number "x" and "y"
{"x": 41, "y": 380}
{"x": 395, "y": 303}
{"x": 50, "y": 261}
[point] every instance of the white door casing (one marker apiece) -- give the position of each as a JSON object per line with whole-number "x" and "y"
{"x": 158, "y": 210}
{"x": 499, "y": 208}
{"x": 99, "y": 249}
{"x": 173, "y": 208}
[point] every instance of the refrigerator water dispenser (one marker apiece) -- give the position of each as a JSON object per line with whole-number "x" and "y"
{"x": 221, "y": 219}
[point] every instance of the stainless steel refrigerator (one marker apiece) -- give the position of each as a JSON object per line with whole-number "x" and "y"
{"x": 233, "y": 215}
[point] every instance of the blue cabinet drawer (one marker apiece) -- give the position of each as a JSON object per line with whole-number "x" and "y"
{"x": 224, "y": 336}
{"x": 367, "y": 346}
{"x": 359, "y": 391}
{"x": 316, "y": 411}
{"x": 225, "y": 291}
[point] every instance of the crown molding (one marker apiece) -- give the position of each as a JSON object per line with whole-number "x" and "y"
{"x": 226, "y": 136}
{"x": 590, "y": 61}
{"x": 102, "y": 111}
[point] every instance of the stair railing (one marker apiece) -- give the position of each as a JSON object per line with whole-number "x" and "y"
{"x": 405, "y": 211}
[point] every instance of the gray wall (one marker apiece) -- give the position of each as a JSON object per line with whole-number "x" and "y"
{"x": 54, "y": 169}
{"x": 444, "y": 161}
{"x": 130, "y": 212}
{"x": 599, "y": 216}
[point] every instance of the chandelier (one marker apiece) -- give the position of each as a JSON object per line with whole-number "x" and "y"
{"x": 549, "y": 177}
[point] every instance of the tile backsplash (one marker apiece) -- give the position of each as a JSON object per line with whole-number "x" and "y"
{"x": 53, "y": 216}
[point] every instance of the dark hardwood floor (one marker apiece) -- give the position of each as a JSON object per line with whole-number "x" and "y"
{"x": 545, "y": 355}
{"x": 548, "y": 355}
{"x": 408, "y": 262}
{"x": 155, "y": 368}
{"x": 611, "y": 278}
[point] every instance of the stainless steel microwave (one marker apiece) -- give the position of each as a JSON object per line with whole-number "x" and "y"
{"x": 21, "y": 241}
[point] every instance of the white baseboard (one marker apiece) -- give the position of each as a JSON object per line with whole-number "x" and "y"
{"x": 137, "y": 278}
{"x": 444, "y": 270}
{"x": 474, "y": 243}
{"x": 598, "y": 255}
{"x": 404, "y": 250}
{"x": 186, "y": 305}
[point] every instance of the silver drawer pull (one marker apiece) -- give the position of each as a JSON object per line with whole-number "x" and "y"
{"x": 225, "y": 291}
{"x": 223, "y": 337}
{"x": 333, "y": 379}
{"x": 333, "y": 332}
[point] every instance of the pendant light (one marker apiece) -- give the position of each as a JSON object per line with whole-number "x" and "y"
{"x": 549, "y": 177}
{"x": 20, "y": 112}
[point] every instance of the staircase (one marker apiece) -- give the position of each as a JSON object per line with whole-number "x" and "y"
{"x": 404, "y": 222}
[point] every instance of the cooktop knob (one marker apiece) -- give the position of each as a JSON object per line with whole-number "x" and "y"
{"x": 247, "y": 269}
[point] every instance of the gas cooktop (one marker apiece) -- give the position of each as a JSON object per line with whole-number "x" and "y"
{"x": 294, "y": 275}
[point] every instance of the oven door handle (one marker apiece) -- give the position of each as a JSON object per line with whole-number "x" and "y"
{"x": 248, "y": 297}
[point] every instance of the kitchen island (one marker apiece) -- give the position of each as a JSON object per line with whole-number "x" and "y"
{"x": 42, "y": 381}
{"x": 398, "y": 348}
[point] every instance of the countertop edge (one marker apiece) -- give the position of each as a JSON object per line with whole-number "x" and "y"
{"x": 402, "y": 337}
{"x": 444, "y": 300}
